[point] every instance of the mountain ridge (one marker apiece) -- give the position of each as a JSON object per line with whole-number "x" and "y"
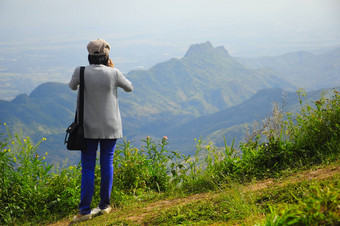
{"x": 301, "y": 68}
{"x": 185, "y": 78}
{"x": 178, "y": 90}
{"x": 167, "y": 96}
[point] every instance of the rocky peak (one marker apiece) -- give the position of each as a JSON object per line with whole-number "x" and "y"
{"x": 207, "y": 49}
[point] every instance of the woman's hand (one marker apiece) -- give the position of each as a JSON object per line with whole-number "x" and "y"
{"x": 110, "y": 63}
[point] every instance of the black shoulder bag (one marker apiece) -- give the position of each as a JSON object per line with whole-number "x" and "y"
{"x": 74, "y": 138}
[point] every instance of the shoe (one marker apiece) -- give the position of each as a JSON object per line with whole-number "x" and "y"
{"x": 97, "y": 210}
{"x": 81, "y": 217}
{"x": 106, "y": 210}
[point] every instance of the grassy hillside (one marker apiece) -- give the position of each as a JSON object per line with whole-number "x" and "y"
{"x": 256, "y": 203}
{"x": 265, "y": 184}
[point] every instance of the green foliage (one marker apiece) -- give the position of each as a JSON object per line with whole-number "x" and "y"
{"x": 142, "y": 169}
{"x": 315, "y": 132}
{"x": 28, "y": 188}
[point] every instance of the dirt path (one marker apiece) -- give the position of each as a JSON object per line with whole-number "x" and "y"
{"x": 154, "y": 208}
{"x": 319, "y": 174}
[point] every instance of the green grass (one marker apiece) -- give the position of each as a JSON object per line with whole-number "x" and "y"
{"x": 211, "y": 187}
{"x": 313, "y": 203}
{"x": 242, "y": 204}
{"x": 316, "y": 201}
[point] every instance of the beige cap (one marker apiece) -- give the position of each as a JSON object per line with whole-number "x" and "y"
{"x": 98, "y": 47}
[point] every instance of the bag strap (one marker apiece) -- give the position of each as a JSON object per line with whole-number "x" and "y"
{"x": 81, "y": 96}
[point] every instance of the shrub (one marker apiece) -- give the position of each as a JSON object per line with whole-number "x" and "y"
{"x": 144, "y": 168}
{"x": 315, "y": 131}
{"x": 28, "y": 187}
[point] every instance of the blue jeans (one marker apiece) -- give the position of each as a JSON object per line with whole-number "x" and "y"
{"x": 88, "y": 164}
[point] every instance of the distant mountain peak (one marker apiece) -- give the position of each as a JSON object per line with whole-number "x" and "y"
{"x": 48, "y": 90}
{"x": 205, "y": 48}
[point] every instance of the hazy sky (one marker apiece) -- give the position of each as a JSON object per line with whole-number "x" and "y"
{"x": 156, "y": 29}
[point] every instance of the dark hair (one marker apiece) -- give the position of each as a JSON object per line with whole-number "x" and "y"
{"x": 98, "y": 59}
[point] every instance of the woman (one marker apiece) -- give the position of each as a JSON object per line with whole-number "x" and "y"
{"x": 102, "y": 124}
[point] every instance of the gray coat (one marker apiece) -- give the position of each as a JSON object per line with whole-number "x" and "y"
{"x": 102, "y": 118}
